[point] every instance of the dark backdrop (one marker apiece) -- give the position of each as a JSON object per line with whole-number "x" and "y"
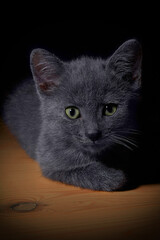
{"x": 70, "y": 40}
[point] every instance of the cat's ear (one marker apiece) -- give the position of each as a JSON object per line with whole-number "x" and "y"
{"x": 46, "y": 69}
{"x": 126, "y": 62}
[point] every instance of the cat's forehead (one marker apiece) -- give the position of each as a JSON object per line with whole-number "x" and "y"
{"x": 87, "y": 74}
{"x": 89, "y": 82}
{"x": 86, "y": 78}
{"x": 87, "y": 68}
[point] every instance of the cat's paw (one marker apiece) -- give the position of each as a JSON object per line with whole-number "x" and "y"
{"x": 93, "y": 177}
{"x": 99, "y": 177}
{"x": 114, "y": 180}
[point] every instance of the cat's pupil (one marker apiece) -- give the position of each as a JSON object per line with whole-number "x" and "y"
{"x": 109, "y": 108}
{"x": 72, "y": 112}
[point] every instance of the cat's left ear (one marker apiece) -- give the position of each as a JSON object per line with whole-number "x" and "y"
{"x": 46, "y": 69}
{"x": 126, "y": 62}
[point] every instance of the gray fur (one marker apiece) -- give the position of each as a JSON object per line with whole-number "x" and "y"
{"x": 35, "y": 113}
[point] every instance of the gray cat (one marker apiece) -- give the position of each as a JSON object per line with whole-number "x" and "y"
{"x": 74, "y": 113}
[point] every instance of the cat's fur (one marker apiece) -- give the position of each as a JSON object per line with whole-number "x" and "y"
{"x": 35, "y": 113}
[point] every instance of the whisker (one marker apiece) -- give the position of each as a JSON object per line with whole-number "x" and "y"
{"x": 130, "y": 131}
{"x": 117, "y": 141}
{"x": 126, "y": 139}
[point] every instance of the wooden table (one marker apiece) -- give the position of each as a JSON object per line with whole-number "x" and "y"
{"x": 33, "y": 207}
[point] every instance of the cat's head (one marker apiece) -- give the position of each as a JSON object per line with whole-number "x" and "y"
{"x": 86, "y": 102}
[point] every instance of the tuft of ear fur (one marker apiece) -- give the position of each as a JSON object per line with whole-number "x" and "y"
{"x": 46, "y": 69}
{"x": 126, "y": 62}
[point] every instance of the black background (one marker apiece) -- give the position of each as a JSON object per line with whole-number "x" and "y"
{"x": 70, "y": 40}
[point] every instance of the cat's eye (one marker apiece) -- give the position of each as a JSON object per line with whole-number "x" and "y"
{"x": 72, "y": 112}
{"x": 110, "y": 109}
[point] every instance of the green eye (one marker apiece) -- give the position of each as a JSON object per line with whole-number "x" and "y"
{"x": 72, "y": 112}
{"x": 110, "y": 109}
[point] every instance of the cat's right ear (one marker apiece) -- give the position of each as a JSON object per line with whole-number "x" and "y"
{"x": 46, "y": 69}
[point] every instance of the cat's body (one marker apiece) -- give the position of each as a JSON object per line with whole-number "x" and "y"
{"x": 75, "y": 112}
{"x": 22, "y": 115}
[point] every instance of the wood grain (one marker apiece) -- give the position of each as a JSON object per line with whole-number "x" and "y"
{"x": 67, "y": 212}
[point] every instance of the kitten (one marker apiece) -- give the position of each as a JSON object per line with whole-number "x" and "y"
{"x": 75, "y": 114}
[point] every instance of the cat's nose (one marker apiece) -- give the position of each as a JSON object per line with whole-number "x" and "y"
{"x": 94, "y": 136}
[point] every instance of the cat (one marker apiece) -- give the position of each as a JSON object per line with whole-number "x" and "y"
{"x": 73, "y": 116}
